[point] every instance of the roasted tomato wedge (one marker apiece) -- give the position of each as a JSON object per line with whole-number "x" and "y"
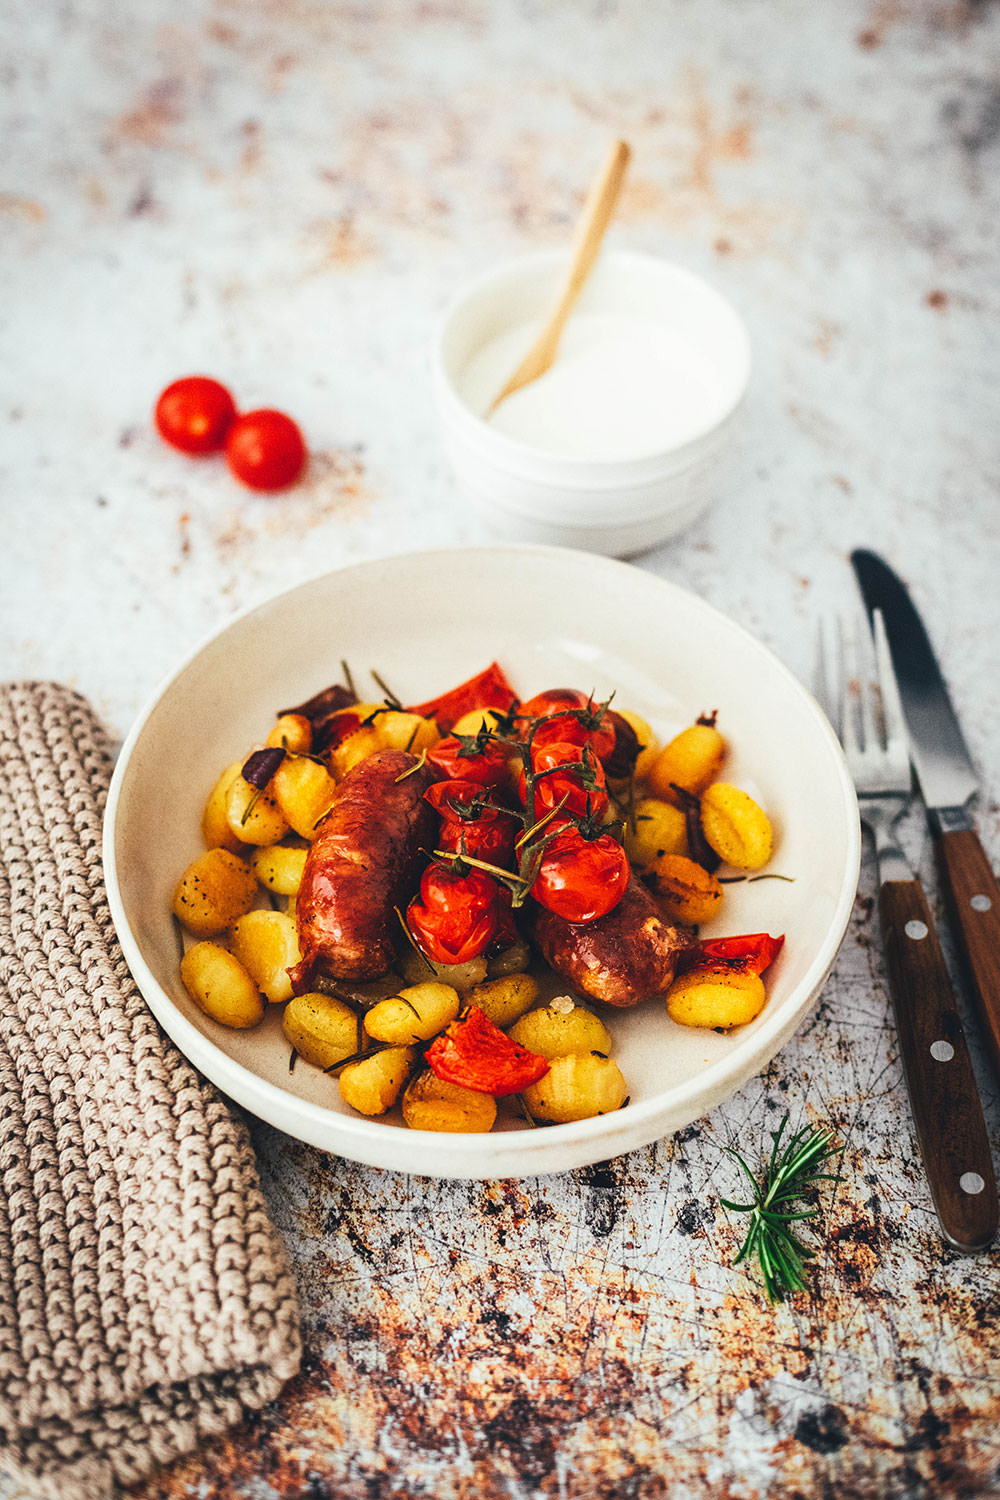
{"x": 488, "y": 689}
{"x": 454, "y": 917}
{"x": 477, "y": 1055}
{"x": 569, "y": 776}
{"x": 581, "y": 878}
{"x": 472, "y": 824}
{"x": 751, "y": 951}
{"x": 470, "y": 757}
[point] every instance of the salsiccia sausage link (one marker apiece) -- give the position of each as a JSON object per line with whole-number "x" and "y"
{"x": 364, "y": 862}
{"x": 620, "y": 959}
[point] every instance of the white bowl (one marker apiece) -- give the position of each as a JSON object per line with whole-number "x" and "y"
{"x": 615, "y": 505}
{"x": 427, "y": 621}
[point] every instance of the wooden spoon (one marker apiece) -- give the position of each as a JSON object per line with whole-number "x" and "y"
{"x": 594, "y": 220}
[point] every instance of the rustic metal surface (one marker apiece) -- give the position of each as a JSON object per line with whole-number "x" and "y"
{"x": 285, "y": 195}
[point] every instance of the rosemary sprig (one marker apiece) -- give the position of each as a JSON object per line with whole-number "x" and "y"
{"x": 789, "y": 1174}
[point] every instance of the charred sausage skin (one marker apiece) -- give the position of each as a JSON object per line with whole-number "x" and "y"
{"x": 620, "y": 959}
{"x": 363, "y": 863}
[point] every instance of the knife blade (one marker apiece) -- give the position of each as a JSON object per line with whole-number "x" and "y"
{"x": 948, "y": 780}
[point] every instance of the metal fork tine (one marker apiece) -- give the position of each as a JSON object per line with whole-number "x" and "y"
{"x": 825, "y": 676}
{"x": 870, "y": 737}
{"x": 848, "y": 679}
{"x": 892, "y": 707}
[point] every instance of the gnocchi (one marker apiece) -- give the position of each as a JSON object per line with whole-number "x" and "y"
{"x": 220, "y": 986}
{"x": 717, "y": 995}
{"x": 736, "y": 827}
{"x": 215, "y": 890}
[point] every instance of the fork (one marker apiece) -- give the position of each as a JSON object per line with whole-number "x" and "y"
{"x": 944, "y": 1100}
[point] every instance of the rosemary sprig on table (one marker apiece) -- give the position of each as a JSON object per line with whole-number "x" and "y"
{"x": 791, "y": 1172}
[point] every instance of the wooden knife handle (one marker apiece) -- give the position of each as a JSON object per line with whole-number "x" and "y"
{"x": 973, "y": 898}
{"x": 942, "y": 1086}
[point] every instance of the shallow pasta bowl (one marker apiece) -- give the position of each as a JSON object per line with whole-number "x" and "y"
{"x": 425, "y": 621}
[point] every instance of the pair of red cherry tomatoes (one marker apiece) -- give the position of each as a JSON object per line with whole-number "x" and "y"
{"x": 264, "y": 448}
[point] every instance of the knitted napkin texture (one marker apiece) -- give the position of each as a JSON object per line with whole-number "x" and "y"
{"x": 146, "y": 1302}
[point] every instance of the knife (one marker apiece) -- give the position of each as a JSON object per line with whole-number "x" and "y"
{"x": 947, "y": 780}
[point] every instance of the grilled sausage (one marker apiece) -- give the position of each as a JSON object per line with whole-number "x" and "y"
{"x": 363, "y": 863}
{"x": 623, "y": 957}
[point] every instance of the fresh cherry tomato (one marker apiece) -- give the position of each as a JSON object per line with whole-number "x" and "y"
{"x": 488, "y": 689}
{"x": 751, "y": 951}
{"x": 455, "y": 916}
{"x": 265, "y": 449}
{"x": 470, "y": 757}
{"x": 195, "y": 414}
{"x": 571, "y": 772}
{"x": 477, "y": 1055}
{"x": 581, "y": 879}
{"x": 471, "y": 824}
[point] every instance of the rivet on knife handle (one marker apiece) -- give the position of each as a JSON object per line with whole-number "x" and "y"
{"x": 974, "y": 910}
{"x": 942, "y": 1086}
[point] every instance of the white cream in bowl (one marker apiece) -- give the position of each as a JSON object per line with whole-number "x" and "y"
{"x": 618, "y": 446}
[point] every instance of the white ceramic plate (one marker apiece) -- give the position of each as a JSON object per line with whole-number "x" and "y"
{"x": 426, "y": 621}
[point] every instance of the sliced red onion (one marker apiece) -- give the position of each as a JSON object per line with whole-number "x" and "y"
{"x": 260, "y": 766}
{"x": 327, "y": 702}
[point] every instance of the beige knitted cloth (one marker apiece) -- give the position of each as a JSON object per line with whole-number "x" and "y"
{"x": 145, "y": 1298}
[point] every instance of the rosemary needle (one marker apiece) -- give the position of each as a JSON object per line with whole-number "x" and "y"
{"x": 789, "y": 1174}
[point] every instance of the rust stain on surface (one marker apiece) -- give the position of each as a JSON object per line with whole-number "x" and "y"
{"x": 21, "y": 207}
{"x": 155, "y": 113}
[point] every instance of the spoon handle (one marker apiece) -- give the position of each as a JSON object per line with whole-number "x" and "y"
{"x": 593, "y": 221}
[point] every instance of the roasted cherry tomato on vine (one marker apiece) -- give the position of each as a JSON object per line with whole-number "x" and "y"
{"x": 477, "y": 1055}
{"x": 455, "y": 916}
{"x": 195, "y": 414}
{"x": 470, "y": 757}
{"x": 265, "y": 449}
{"x": 471, "y": 824}
{"x": 488, "y": 689}
{"x": 582, "y": 727}
{"x": 752, "y": 951}
{"x": 553, "y": 700}
{"x": 570, "y": 772}
{"x": 568, "y": 716}
{"x": 579, "y": 878}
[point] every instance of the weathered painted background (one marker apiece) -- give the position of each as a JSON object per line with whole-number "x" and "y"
{"x": 285, "y": 194}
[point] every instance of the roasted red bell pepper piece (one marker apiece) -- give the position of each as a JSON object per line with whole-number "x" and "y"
{"x": 475, "y": 1054}
{"x": 488, "y": 689}
{"x": 752, "y": 951}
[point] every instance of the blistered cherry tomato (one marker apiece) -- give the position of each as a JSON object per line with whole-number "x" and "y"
{"x": 553, "y": 700}
{"x": 470, "y": 758}
{"x": 455, "y": 916}
{"x": 195, "y": 414}
{"x": 573, "y": 773}
{"x": 581, "y": 879}
{"x": 265, "y": 449}
{"x": 471, "y": 824}
{"x": 567, "y": 715}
